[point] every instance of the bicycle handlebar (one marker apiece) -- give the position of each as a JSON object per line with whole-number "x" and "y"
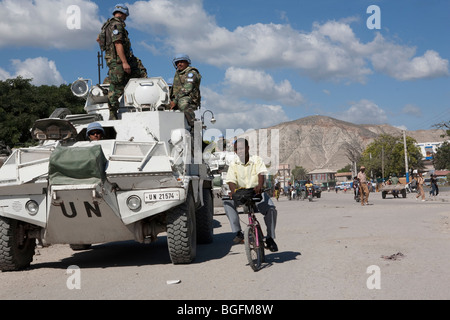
{"x": 254, "y": 198}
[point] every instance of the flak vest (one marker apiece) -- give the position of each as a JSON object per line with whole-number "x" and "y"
{"x": 182, "y": 78}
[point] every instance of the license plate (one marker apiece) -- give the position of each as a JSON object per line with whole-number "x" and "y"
{"x": 161, "y": 196}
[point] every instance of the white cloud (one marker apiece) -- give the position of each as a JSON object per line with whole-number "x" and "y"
{"x": 399, "y": 61}
{"x": 41, "y": 70}
{"x": 363, "y": 112}
{"x": 258, "y": 85}
{"x": 412, "y": 110}
{"x": 231, "y": 113}
{"x": 44, "y": 23}
{"x": 330, "y": 51}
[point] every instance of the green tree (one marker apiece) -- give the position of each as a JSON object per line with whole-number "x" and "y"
{"x": 389, "y": 150}
{"x": 441, "y": 159}
{"x": 22, "y": 103}
{"x": 299, "y": 173}
{"x": 347, "y": 168}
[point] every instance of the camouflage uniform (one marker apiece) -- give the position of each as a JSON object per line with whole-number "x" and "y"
{"x": 185, "y": 92}
{"x": 117, "y": 77}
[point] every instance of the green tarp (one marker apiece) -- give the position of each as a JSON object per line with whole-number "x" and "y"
{"x": 77, "y": 165}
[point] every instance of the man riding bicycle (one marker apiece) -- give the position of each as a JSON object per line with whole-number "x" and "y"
{"x": 246, "y": 172}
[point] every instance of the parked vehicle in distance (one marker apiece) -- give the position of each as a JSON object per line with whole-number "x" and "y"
{"x": 345, "y": 185}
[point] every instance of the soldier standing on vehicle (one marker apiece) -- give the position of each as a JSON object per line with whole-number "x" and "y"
{"x": 364, "y": 188}
{"x": 122, "y": 64}
{"x": 185, "y": 91}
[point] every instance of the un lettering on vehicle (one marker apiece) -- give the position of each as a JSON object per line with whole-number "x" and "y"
{"x": 91, "y": 210}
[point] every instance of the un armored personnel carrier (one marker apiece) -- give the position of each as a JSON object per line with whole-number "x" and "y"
{"x": 146, "y": 177}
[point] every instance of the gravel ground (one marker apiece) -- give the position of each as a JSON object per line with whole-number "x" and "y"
{"x": 331, "y": 248}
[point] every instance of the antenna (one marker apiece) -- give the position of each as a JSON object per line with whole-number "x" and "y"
{"x": 99, "y": 64}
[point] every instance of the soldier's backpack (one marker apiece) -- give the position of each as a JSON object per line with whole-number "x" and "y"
{"x": 104, "y": 37}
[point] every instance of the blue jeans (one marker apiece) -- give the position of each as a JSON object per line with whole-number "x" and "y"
{"x": 265, "y": 207}
{"x": 434, "y": 190}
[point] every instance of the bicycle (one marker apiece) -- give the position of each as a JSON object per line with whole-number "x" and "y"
{"x": 253, "y": 235}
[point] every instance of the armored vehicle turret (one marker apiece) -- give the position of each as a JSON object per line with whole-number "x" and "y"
{"x": 145, "y": 177}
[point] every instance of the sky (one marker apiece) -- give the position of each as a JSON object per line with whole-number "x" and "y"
{"x": 262, "y": 62}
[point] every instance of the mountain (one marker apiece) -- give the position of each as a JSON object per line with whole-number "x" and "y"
{"x": 319, "y": 142}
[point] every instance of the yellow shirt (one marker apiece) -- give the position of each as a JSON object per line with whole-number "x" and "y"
{"x": 245, "y": 175}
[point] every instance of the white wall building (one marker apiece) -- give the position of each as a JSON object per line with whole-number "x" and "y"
{"x": 429, "y": 148}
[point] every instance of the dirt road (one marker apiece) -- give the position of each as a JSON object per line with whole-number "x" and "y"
{"x": 331, "y": 248}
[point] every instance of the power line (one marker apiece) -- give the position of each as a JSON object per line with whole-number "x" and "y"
{"x": 433, "y": 120}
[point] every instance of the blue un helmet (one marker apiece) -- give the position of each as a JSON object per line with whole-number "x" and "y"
{"x": 181, "y": 57}
{"x": 120, "y": 7}
{"x": 94, "y": 126}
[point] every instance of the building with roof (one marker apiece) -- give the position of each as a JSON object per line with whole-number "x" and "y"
{"x": 322, "y": 177}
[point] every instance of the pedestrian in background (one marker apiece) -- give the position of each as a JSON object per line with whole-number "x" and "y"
{"x": 434, "y": 187}
{"x": 364, "y": 188}
{"x": 420, "y": 183}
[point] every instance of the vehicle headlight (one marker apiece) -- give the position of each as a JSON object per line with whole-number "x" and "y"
{"x": 32, "y": 207}
{"x": 134, "y": 203}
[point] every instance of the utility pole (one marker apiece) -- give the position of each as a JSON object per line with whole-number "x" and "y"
{"x": 406, "y": 157}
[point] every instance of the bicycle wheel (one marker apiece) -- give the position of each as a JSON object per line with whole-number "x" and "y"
{"x": 261, "y": 243}
{"x": 253, "y": 252}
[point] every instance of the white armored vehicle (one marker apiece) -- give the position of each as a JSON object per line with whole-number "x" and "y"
{"x": 146, "y": 177}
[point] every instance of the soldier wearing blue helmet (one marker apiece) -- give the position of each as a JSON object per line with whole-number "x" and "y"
{"x": 95, "y": 131}
{"x": 120, "y": 7}
{"x": 185, "y": 91}
{"x": 122, "y": 64}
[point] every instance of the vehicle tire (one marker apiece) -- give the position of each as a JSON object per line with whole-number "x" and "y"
{"x": 79, "y": 247}
{"x": 15, "y": 254}
{"x": 181, "y": 232}
{"x": 60, "y": 113}
{"x": 254, "y": 253}
{"x": 383, "y": 194}
{"x": 318, "y": 195}
{"x": 404, "y": 193}
{"x": 204, "y": 218}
